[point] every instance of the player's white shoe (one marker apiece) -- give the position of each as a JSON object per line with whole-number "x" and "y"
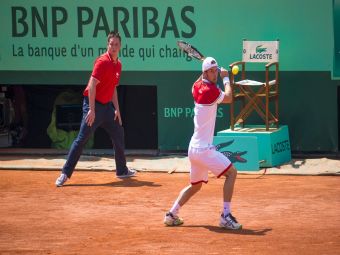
{"x": 229, "y": 222}
{"x": 172, "y": 220}
{"x": 61, "y": 180}
{"x": 129, "y": 173}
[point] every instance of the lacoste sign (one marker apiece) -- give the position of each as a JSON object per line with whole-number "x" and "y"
{"x": 260, "y": 51}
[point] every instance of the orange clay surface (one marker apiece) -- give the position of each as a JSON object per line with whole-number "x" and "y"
{"x": 95, "y": 213}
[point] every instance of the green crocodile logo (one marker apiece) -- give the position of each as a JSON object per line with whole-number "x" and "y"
{"x": 260, "y": 49}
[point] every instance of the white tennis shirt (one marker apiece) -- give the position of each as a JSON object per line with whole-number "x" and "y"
{"x": 206, "y": 96}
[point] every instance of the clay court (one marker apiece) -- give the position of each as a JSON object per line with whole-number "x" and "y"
{"x": 95, "y": 213}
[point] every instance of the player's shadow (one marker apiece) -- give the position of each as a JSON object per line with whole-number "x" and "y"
{"x": 120, "y": 183}
{"x": 244, "y": 231}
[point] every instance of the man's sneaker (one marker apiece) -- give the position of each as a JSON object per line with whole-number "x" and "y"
{"x": 61, "y": 180}
{"x": 229, "y": 222}
{"x": 172, "y": 220}
{"x": 130, "y": 173}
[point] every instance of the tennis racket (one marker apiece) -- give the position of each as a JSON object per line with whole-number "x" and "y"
{"x": 192, "y": 51}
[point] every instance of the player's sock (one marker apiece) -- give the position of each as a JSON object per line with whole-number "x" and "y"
{"x": 226, "y": 208}
{"x": 175, "y": 208}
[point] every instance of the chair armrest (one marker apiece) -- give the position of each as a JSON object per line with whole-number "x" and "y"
{"x": 236, "y": 63}
{"x": 272, "y": 63}
{"x": 243, "y": 70}
{"x": 276, "y": 72}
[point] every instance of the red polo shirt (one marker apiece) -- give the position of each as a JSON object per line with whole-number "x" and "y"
{"x": 205, "y": 93}
{"x": 108, "y": 75}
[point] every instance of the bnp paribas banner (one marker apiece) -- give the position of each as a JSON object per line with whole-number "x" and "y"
{"x": 68, "y": 34}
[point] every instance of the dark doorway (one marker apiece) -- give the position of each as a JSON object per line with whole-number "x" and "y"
{"x": 138, "y": 106}
{"x": 35, "y": 104}
{"x": 39, "y": 104}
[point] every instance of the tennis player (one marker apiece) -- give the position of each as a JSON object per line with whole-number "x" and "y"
{"x": 202, "y": 154}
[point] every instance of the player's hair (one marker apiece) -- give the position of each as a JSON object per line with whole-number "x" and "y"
{"x": 113, "y": 34}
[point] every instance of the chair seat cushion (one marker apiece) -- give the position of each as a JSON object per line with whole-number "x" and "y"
{"x": 253, "y": 83}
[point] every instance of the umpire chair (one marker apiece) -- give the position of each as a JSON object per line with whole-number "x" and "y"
{"x": 256, "y": 96}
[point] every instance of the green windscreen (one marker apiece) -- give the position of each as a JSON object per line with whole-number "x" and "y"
{"x": 68, "y": 35}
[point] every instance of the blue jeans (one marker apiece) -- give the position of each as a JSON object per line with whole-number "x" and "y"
{"x": 105, "y": 118}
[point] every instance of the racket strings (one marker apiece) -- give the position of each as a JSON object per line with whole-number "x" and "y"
{"x": 190, "y": 50}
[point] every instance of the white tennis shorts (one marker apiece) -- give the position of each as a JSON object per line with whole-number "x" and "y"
{"x": 203, "y": 160}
